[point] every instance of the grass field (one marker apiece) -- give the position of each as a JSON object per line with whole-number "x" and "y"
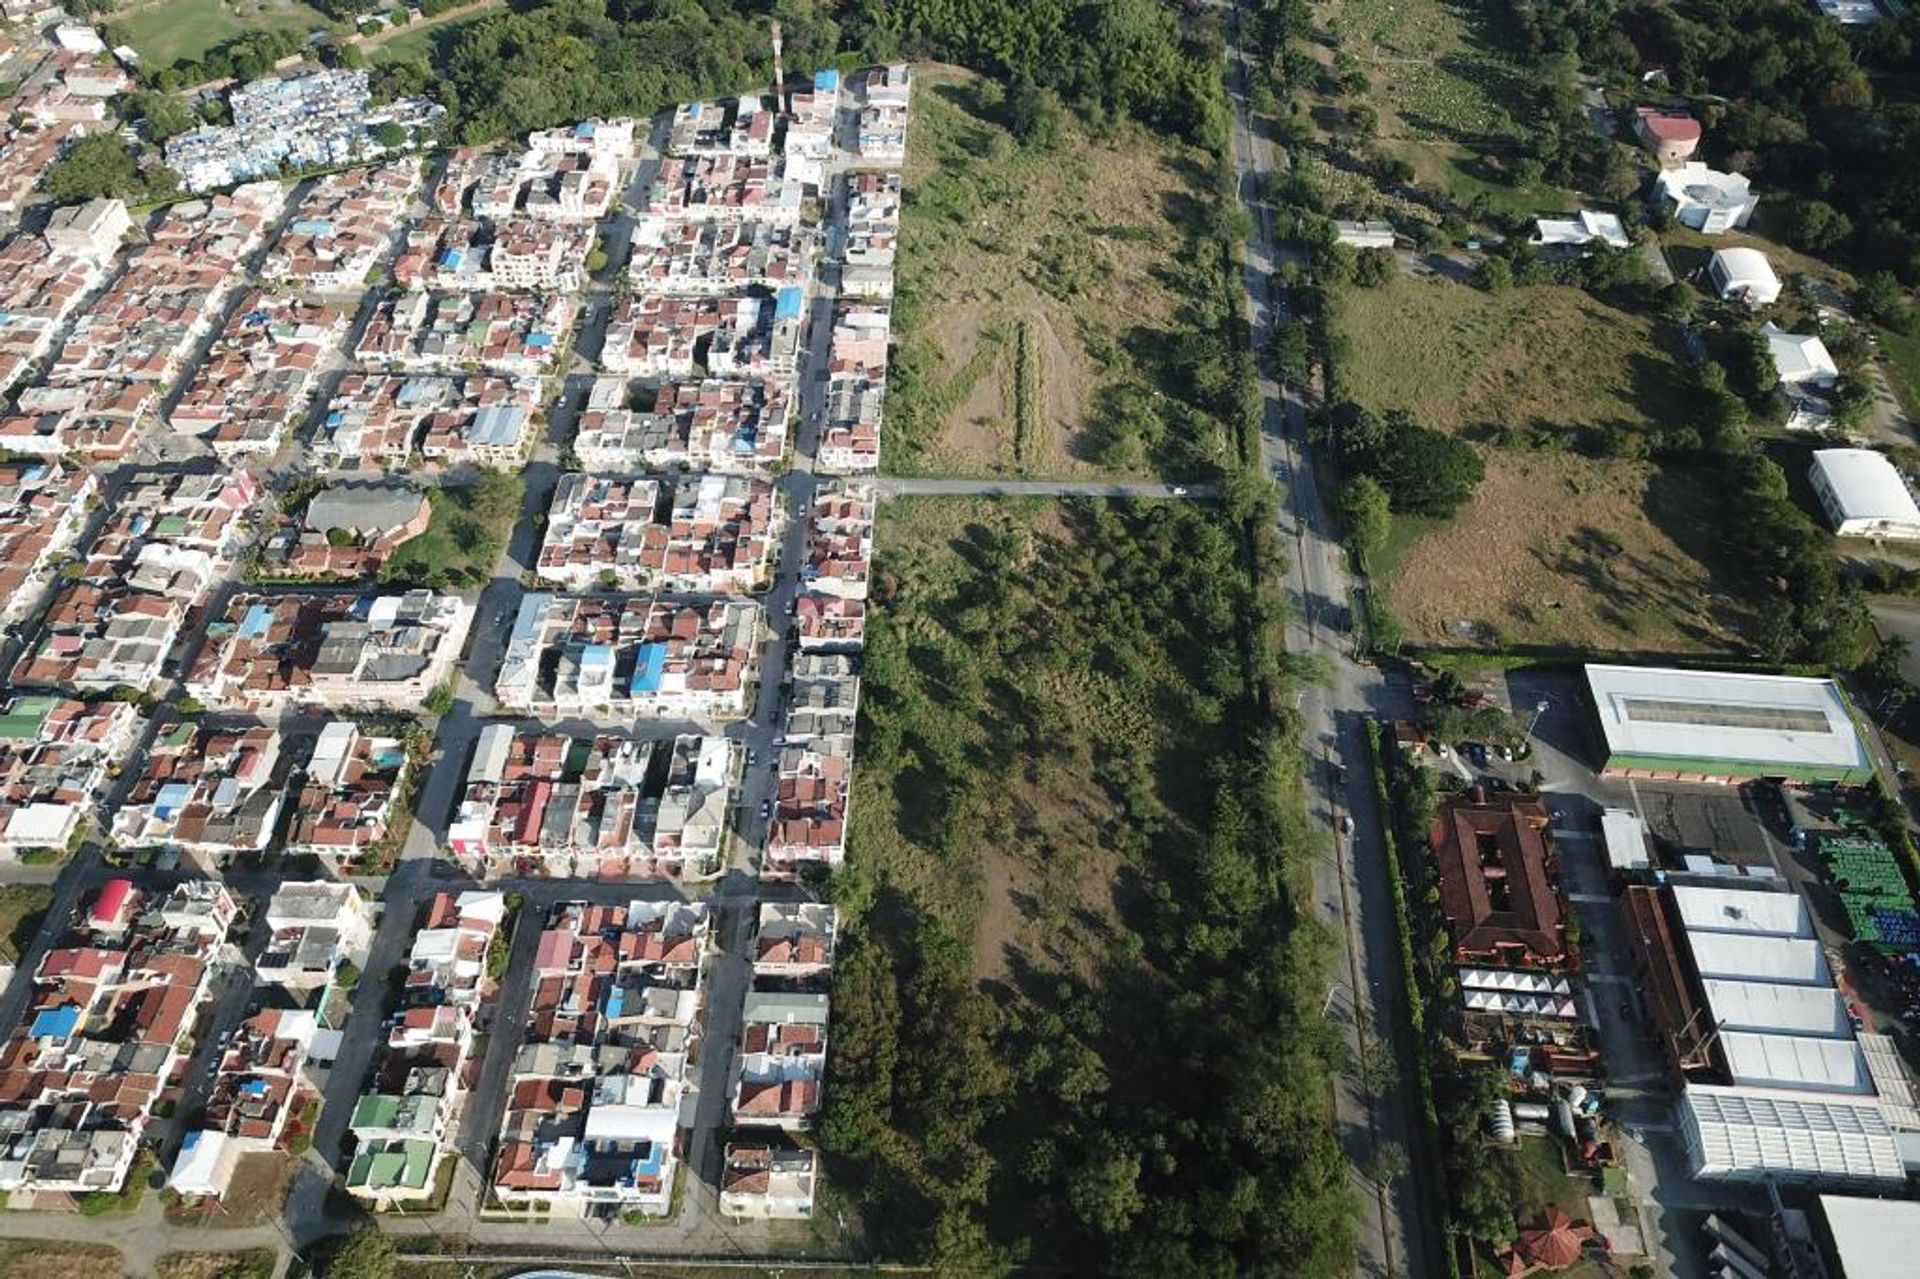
{"x": 1054, "y": 260}
{"x": 164, "y": 32}
{"x": 1555, "y": 548}
{"x": 1434, "y": 75}
{"x": 469, "y": 528}
{"x": 423, "y": 39}
{"x": 44, "y": 1259}
{"x": 1544, "y": 358}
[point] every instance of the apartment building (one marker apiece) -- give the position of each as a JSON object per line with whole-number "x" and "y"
{"x": 96, "y": 420}
{"x": 839, "y": 555}
{"x": 700, "y": 533}
{"x": 575, "y": 655}
{"x": 594, "y": 1104}
{"x": 651, "y": 336}
{"x": 707, "y": 424}
{"x": 690, "y": 817}
{"x": 212, "y": 793}
{"x": 768, "y": 1179}
{"x": 724, "y": 188}
{"x": 539, "y": 803}
{"x": 404, "y": 1124}
{"x": 43, "y": 508}
{"x": 710, "y": 259}
{"x": 315, "y": 927}
{"x": 782, "y": 1059}
{"x": 56, "y": 757}
{"x": 175, "y": 533}
{"x": 267, "y": 653}
{"x": 260, "y": 375}
{"x": 109, "y": 1013}
{"x": 513, "y": 334}
{"x": 96, "y": 637}
{"x": 341, "y": 229}
{"x": 519, "y": 253}
{"x": 830, "y": 623}
{"x": 260, "y": 1083}
{"x": 349, "y": 794}
{"x": 856, "y": 389}
{"x": 381, "y": 420}
{"x": 41, "y": 285}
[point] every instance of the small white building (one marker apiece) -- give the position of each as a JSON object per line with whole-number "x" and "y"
{"x": 1744, "y": 275}
{"x": 93, "y": 229}
{"x": 1850, "y": 13}
{"x": 78, "y": 37}
{"x": 1363, "y": 235}
{"x": 1802, "y": 359}
{"x": 1581, "y": 229}
{"x": 1707, "y": 200}
{"x": 1864, "y": 495}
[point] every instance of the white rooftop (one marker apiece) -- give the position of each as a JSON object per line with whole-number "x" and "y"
{"x": 1768, "y": 1060}
{"x": 1800, "y": 357}
{"x": 1626, "y": 839}
{"x": 1757, "y": 1131}
{"x": 1725, "y": 716}
{"x": 1872, "y": 1238}
{"x": 1582, "y": 228}
{"x": 1744, "y": 266}
{"x": 1763, "y": 1005}
{"x": 1795, "y": 961}
{"x": 1866, "y": 485}
{"x": 1742, "y": 910}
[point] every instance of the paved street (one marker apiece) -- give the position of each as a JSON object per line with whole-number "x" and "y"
{"x": 1039, "y": 488}
{"x": 1352, "y": 886}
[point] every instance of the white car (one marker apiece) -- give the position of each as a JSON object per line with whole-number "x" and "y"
{"x": 1346, "y": 823}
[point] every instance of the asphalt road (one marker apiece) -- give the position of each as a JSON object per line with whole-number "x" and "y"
{"x": 1353, "y": 886}
{"x": 1038, "y": 488}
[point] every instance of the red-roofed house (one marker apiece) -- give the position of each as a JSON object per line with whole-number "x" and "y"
{"x": 1673, "y": 136}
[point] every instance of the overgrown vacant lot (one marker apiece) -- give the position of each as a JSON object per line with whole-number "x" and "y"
{"x": 1545, "y": 357}
{"x": 45, "y": 1259}
{"x": 1435, "y": 76}
{"x": 1558, "y": 549}
{"x": 1061, "y": 835}
{"x": 1037, "y": 284}
{"x": 1555, "y": 547}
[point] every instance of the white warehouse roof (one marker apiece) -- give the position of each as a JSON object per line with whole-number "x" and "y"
{"x": 1800, "y": 357}
{"x": 1872, "y": 1238}
{"x": 1765, "y": 1005}
{"x": 1757, "y": 1132}
{"x": 1772, "y": 1060}
{"x": 1744, "y": 957}
{"x": 1742, "y": 910}
{"x": 1865, "y": 486}
{"x": 1724, "y": 721}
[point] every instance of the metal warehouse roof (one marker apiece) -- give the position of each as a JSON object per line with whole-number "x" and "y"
{"x": 1748, "y": 1132}
{"x": 1725, "y": 716}
{"x": 1866, "y": 486}
{"x": 1741, "y": 910}
{"x": 1763, "y": 1005}
{"x": 1774, "y": 1060}
{"x": 1873, "y": 1238}
{"x": 1741, "y": 957}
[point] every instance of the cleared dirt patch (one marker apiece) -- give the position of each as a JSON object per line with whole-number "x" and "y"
{"x": 1556, "y": 549}
{"x": 255, "y": 1263}
{"x": 1077, "y": 241}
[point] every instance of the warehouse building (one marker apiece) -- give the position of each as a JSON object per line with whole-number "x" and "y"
{"x": 1864, "y": 495}
{"x": 1724, "y": 726}
{"x": 1762, "y": 1134}
{"x": 1867, "y": 1238}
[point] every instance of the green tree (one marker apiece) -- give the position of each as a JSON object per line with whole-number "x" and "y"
{"x": 1367, "y": 515}
{"x": 1374, "y": 267}
{"x": 389, "y": 135}
{"x": 1291, "y": 355}
{"x": 1105, "y": 1193}
{"x": 92, "y": 167}
{"x": 165, "y": 115}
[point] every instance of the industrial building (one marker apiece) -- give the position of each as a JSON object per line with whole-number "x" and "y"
{"x": 1867, "y": 1238}
{"x": 1724, "y": 726}
{"x": 1864, "y": 495}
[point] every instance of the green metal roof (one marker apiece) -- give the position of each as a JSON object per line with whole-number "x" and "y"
{"x": 23, "y": 719}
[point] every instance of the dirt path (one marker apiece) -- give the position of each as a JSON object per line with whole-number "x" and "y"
{"x": 385, "y": 34}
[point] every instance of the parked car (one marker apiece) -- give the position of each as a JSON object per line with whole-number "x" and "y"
{"x": 1346, "y": 823}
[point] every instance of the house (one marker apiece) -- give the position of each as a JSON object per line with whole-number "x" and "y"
{"x": 1497, "y": 880}
{"x": 93, "y": 229}
{"x": 1363, "y": 235}
{"x": 794, "y": 944}
{"x": 782, "y": 1060}
{"x": 1707, "y": 200}
{"x": 1801, "y": 359}
{"x": 315, "y": 927}
{"x": 1582, "y": 229}
{"x": 1744, "y": 275}
{"x": 1864, "y": 495}
{"x": 1672, "y": 136}
{"x": 762, "y": 1179}
{"x": 655, "y": 657}
{"x": 259, "y": 1083}
{"x": 351, "y": 528}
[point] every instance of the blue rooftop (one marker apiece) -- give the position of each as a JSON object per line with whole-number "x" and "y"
{"x": 827, "y": 81}
{"x": 56, "y": 1023}
{"x": 259, "y": 617}
{"x": 646, "y": 674}
{"x": 786, "y": 304}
